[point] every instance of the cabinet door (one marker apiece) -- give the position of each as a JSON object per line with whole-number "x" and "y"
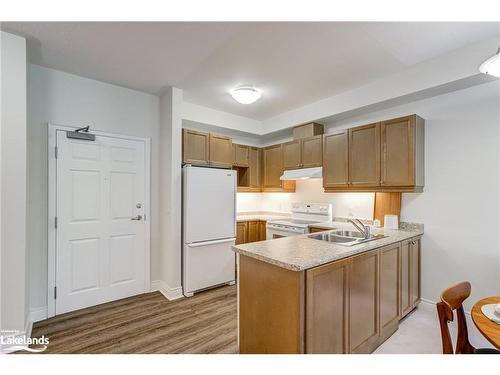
{"x": 364, "y": 156}
{"x": 262, "y": 231}
{"x": 272, "y": 166}
{"x": 364, "y": 303}
{"x": 335, "y": 160}
{"x": 327, "y": 308}
{"x": 195, "y": 146}
{"x": 241, "y": 232}
{"x": 292, "y": 158}
{"x": 240, "y": 155}
{"x": 221, "y": 151}
{"x": 389, "y": 289}
{"x": 405, "y": 291}
{"x": 255, "y": 167}
{"x": 415, "y": 272}
{"x": 253, "y": 231}
{"x": 312, "y": 151}
{"x": 398, "y": 152}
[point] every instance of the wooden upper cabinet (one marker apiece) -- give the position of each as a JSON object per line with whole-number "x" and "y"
{"x": 402, "y": 151}
{"x": 272, "y": 159}
{"x": 241, "y": 155}
{"x": 221, "y": 151}
{"x": 303, "y": 153}
{"x": 312, "y": 151}
{"x": 327, "y": 308}
{"x": 254, "y": 158}
{"x": 195, "y": 147}
{"x": 336, "y": 160}
{"x": 292, "y": 154}
{"x": 364, "y": 156}
{"x": 272, "y": 169}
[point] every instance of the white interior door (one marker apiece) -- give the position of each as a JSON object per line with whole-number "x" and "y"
{"x": 101, "y": 251}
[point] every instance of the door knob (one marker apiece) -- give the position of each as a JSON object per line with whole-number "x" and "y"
{"x": 138, "y": 218}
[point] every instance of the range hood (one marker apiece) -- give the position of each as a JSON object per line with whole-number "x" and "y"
{"x": 302, "y": 174}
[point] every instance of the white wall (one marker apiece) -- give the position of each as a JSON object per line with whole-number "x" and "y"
{"x": 71, "y": 100}
{"x": 169, "y": 266}
{"x": 358, "y": 205}
{"x": 13, "y": 303}
{"x": 204, "y": 115}
{"x": 460, "y": 204}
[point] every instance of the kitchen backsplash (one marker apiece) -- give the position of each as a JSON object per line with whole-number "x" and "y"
{"x": 358, "y": 205}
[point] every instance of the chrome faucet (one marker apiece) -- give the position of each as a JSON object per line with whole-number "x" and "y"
{"x": 365, "y": 229}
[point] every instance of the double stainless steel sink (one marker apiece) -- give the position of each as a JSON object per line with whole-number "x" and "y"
{"x": 345, "y": 237}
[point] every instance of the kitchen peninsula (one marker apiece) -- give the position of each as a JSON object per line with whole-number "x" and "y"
{"x": 303, "y": 295}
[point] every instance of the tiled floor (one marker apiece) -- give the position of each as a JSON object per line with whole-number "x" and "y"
{"x": 419, "y": 333}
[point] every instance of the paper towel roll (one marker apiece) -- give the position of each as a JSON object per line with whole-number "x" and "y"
{"x": 391, "y": 222}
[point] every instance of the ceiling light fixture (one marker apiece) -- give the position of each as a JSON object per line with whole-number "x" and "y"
{"x": 492, "y": 65}
{"x": 246, "y": 94}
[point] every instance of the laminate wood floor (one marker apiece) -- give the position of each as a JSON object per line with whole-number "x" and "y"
{"x": 148, "y": 323}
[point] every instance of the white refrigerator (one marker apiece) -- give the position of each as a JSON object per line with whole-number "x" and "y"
{"x": 208, "y": 227}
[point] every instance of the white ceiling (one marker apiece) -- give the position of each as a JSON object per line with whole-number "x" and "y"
{"x": 294, "y": 64}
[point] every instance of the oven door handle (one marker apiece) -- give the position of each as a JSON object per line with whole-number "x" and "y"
{"x": 287, "y": 230}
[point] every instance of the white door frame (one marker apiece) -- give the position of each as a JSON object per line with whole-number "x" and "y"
{"x": 52, "y": 209}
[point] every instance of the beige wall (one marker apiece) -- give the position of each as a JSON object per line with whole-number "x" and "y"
{"x": 66, "y": 99}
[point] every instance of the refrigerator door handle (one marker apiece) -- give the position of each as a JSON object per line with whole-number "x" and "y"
{"x": 204, "y": 243}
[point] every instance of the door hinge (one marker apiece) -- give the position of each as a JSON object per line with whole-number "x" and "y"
{"x": 55, "y": 222}
{"x": 55, "y": 152}
{"x": 55, "y": 292}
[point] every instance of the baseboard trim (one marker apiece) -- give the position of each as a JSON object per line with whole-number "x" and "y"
{"x": 169, "y": 293}
{"x": 28, "y": 325}
{"x": 38, "y": 314}
{"x": 431, "y": 306}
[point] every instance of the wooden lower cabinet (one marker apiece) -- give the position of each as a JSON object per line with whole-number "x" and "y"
{"x": 271, "y": 308}
{"x": 390, "y": 257}
{"x": 250, "y": 231}
{"x": 241, "y": 232}
{"x": 348, "y": 306}
{"x": 364, "y": 302}
{"x": 262, "y": 230}
{"x": 327, "y": 308}
{"x": 410, "y": 275}
{"x": 253, "y": 231}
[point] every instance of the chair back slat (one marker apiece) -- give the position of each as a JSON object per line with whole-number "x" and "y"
{"x": 445, "y": 315}
{"x": 452, "y": 299}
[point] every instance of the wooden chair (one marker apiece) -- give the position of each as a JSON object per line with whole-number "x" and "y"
{"x": 452, "y": 299}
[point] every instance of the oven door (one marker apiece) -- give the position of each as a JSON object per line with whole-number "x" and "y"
{"x": 279, "y": 231}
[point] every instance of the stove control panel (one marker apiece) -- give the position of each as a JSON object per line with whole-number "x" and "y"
{"x": 312, "y": 208}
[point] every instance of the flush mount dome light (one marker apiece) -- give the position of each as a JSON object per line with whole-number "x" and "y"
{"x": 492, "y": 65}
{"x": 246, "y": 94}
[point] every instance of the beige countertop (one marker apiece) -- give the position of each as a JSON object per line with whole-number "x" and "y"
{"x": 298, "y": 253}
{"x": 264, "y": 216}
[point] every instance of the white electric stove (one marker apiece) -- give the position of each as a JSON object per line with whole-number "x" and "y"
{"x": 303, "y": 214}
